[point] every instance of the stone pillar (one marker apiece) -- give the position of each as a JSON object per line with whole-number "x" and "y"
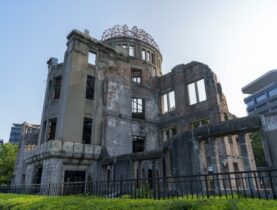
{"x": 214, "y": 154}
{"x": 29, "y": 174}
{"x": 244, "y": 152}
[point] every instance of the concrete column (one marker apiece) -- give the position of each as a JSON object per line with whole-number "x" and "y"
{"x": 214, "y": 154}
{"x": 244, "y": 152}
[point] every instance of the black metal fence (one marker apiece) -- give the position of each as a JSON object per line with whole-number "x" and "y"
{"x": 258, "y": 184}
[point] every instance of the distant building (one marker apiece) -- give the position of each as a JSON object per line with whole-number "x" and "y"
{"x": 15, "y": 133}
{"x": 18, "y": 130}
{"x": 28, "y": 140}
{"x": 1, "y": 141}
{"x": 263, "y": 94}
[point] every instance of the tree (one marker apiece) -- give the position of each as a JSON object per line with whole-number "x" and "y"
{"x": 258, "y": 149}
{"x": 7, "y": 162}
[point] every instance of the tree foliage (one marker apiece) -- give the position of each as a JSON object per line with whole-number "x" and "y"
{"x": 7, "y": 162}
{"x": 258, "y": 149}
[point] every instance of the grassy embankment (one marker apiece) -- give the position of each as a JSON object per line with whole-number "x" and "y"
{"x": 33, "y": 202}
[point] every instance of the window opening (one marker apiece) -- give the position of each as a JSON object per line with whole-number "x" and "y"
{"x": 90, "y": 87}
{"x": 136, "y": 76}
{"x": 168, "y": 102}
{"x": 131, "y": 50}
{"x": 52, "y": 128}
{"x": 153, "y": 58}
{"x": 91, "y": 58}
{"x": 57, "y": 87}
{"x": 87, "y": 126}
{"x": 147, "y": 56}
{"x": 138, "y": 143}
{"x": 143, "y": 54}
{"x": 138, "y": 107}
{"x": 197, "y": 92}
{"x": 168, "y": 133}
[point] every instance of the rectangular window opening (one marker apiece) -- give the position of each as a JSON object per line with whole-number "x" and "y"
{"x": 52, "y": 129}
{"x": 168, "y": 102}
{"x": 138, "y": 108}
{"x": 57, "y": 87}
{"x": 197, "y": 92}
{"x": 153, "y": 58}
{"x": 87, "y": 127}
{"x": 143, "y": 54}
{"x": 136, "y": 76}
{"x": 91, "y": 58}
{"x": 168, "y": 133}
{"x": 90, "y": 87}
{"x": 138, "y": 143}
{"x": 147, "y": 56}
{"x": 131, "y": 50}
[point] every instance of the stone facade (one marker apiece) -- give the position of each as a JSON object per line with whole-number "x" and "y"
{"x": 111, "y": 117}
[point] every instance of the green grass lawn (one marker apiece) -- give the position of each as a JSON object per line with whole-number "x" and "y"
{"x": 34, "y": 202}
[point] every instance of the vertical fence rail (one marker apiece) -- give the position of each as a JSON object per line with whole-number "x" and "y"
{"x": 260, "y": 184}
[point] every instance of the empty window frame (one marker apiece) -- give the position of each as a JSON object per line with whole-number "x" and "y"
{"x": 87, "y": 127}
{"x": 90, "y": 87}
{"x": 199, "y": 123}
{"x": 131, "y": 50}
{"x": 138, "y": 143}
{"x": 136, "y": 76}
{"x": 197, "y": 92}
{"x": 143, "y": 54}
{"x": 153, "y": 58}
{"x": 52, "y": 128}
{"x": 168, "y": 102}
{"x": 168, "y": 133}
{"x": 138, "y": 108}
{"x": 57, "y": 87}
{"x": 147, "y": 56}
{"x": 91, "y": 58}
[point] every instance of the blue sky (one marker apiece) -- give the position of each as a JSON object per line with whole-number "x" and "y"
{"x": 237, "y": 39}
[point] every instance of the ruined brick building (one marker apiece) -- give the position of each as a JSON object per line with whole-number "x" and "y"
{"x": 109, "y": 112}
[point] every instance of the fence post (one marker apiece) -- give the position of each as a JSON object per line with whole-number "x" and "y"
{"x": 121, "y": 187}
{"x": 158, "y": 187}
{"x": 207, "y": 186}
{"x": 271, "y": 185}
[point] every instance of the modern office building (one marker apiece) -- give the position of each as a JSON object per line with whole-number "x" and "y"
{"x": 263, "y": 94}
{"x": 19, "y": 129}
{"x": 15, "y": 133}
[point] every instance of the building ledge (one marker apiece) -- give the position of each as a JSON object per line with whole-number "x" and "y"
{"x": 59, "y": 149}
